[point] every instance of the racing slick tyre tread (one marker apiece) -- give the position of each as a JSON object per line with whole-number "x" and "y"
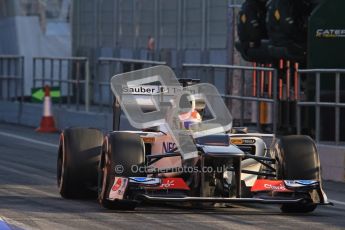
{"x": 119, "y": 149}
{"x": 298, "y": 160}
{"x": 78, "y": 157}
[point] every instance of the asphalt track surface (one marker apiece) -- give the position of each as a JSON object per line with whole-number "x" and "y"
{"x": 29, "y": 199}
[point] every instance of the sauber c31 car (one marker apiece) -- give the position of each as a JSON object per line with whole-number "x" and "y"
{"x": 125, "y": 168}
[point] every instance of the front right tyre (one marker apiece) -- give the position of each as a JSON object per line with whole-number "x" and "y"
{"x": 297, "y": 159}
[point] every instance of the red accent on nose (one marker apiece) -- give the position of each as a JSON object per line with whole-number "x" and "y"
{"x": 261, "y": 185}
{"x": 117, "y": 185}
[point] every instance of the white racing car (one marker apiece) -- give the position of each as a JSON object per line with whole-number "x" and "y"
{"x": 124, "y": 168}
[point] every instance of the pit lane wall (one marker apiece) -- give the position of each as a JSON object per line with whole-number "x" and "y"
{"x": 30, "y": 114}
{"x": 332, "y": 162}
{"x": 332, "y": 157}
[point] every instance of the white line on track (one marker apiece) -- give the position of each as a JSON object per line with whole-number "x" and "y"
{"x": 28, "y": 139}
{"x": 337, "y": 202}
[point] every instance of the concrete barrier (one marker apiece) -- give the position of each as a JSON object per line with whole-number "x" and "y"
{"x": 10, "y": 112}
{"x": 29, "y": 114}
{"x": 332, "y": 157}
{"x": 332, "y": 162}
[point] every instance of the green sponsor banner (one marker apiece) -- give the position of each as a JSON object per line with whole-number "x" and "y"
{"x": 37, "y": 94}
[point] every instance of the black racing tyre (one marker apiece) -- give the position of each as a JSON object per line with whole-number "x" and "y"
{"x": 297, "y": 159}
{"x": 298, "y": 208}
{"x": 77, "y": 163}
{"x": 120, "y": 152}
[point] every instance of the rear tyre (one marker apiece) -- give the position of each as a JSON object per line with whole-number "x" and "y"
{"x": 122, "y": 154}
{"x": 297, "y": 159}
{"x": 78, "y": 157}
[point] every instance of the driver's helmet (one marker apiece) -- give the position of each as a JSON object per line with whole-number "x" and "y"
{"x": 188, "y": 114}
{"x": 189, "y": 118}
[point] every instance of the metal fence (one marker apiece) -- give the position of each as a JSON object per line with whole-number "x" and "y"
{"x": 263, "y": 82}
{"x": 11, "y": 78}
{"x": 243, "y": 88}
{"x": 77, "y": 86}
{"x": 317, "y": 104}
{"x": 70, "y": 74}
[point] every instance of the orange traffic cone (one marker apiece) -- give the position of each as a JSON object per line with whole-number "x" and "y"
{"x": 47, "y": 121}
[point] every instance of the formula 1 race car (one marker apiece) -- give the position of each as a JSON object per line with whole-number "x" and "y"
{"x": 126, "y": 168}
